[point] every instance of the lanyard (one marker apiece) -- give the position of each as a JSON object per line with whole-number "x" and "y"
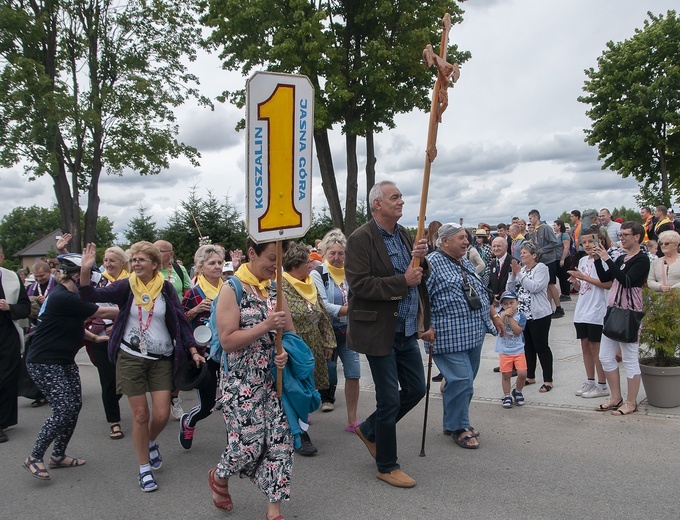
{"x": 145, "y": 327}
{"x": 170, "y": 273}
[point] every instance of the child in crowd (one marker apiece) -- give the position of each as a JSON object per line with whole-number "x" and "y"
{"x": 511, "y": 349}
{"x": 652, "y": 249}
{"x": 589, "y": 315}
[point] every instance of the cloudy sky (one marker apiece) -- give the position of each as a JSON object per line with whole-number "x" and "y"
{"x": 511, "y": 139}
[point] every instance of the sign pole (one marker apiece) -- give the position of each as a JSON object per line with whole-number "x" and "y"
{"x": 446, "y": 73}
{"x": 278, "y": 308}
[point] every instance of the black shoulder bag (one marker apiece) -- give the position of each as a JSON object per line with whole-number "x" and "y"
{"x": 622, "y": 324}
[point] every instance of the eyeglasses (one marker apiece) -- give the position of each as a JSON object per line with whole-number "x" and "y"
{"x": 664, "y": 244}
{"x": 626, "y": 234}
{"x": 139, "y": 260}
{"x": 166, "y": 250}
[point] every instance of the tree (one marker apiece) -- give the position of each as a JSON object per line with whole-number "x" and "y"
{"x": 216, "y": 219}
{"x": 363, "y": 58}
{"x": 626, "y": 214}
{"x": 635, "y": 108}
{"x": 141, "y": 228}
{"x": 20, "y": 228}
{"x": 88, "y": 86}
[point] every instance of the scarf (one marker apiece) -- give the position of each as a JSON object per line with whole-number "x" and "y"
{"x": 661, "y": 223}
{"x": 337, "y": 274}
{"x": 209, "y": 289}
{"x": 123, "y": 274}
{"x": 305, "y": 288}
{"x": 145, "y": 295}
{"x": 244, "y": 274}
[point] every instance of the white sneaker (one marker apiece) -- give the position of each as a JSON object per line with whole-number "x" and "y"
{"x": 588, "y": 385}
{"x": 327, "y": 407}
{"x": 596, "y": 392}
{"x": 176, "y": 408}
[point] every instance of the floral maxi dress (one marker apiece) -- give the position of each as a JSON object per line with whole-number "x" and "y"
{"x": 259, "y": 441}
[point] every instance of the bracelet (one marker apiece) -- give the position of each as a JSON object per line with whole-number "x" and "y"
{"x": 495, "y": 316}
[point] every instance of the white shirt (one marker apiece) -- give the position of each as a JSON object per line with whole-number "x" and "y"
{"x": 592, "y": 300}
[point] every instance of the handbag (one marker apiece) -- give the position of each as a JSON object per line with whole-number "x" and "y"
{"x": 622, "y": 324}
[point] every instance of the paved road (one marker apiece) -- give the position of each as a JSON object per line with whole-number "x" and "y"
{"x": 554, "y": 458}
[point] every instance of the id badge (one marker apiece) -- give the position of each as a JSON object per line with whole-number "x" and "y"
{"x": 142, "y": 349}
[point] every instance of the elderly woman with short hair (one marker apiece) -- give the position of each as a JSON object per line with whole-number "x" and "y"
{"x": 331, "y": 285}
{"x": 664, "y": 274}
{"x": 310, "y": 318}
{"x": 459, "y": 328}
{"x": 529, "y": 282}
{"x": 149, "y": 341}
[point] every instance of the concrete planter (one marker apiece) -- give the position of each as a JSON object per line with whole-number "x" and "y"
{"x": 662, "y": 385}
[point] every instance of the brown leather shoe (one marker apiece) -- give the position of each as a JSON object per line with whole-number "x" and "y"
{"x": 370, "y": 445}
{"x": 397, "y": 478}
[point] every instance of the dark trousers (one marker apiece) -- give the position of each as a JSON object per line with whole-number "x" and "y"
{"x": 107, "y": 380}
{"x": 10, "y": 370}
{"x": 206, "y": 395}
{"x": 60, "y": 384}
{"x": 536, "y": 344}
{"x": 563, "y": 276}
{"x": 399, "y": 381}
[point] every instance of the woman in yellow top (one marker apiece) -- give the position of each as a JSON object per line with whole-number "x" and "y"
{"x": 310, "y": 319}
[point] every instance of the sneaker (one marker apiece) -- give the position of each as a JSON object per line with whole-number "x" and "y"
{"x": 147, "y": 482}
{"x": 507, "y": 402}
{"x": 176, "y": 408}
{"x": 596, "y": 391}
{"x": 565, "y": 298}
{"x": 307, "y": 447}
{"x": 518, "y": 396}
{"x": 155, "y": 461}
{"x": 438, "y": 378}
{"x": 559, "y": 313}
{"x": 327, "y": 407}
{"x": 186, "y": 432}
{"x": 588, "y": 385}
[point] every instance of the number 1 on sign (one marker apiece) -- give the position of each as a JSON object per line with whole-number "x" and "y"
{"x": 279, "y": 112}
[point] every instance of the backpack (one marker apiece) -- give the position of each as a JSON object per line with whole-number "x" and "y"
{"x": 217, "y": 353}
{"x": 324, "y": 276}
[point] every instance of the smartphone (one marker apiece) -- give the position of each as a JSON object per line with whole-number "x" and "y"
{"x": 596, "y": 239}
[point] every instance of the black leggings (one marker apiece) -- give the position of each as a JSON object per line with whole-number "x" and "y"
{"x": 60, "y": 384}
{"x": 563, "y": 276}
{"x": 206, "y": 395}
{"x": 536, "y": 343}
{"x": 107, "y": 380}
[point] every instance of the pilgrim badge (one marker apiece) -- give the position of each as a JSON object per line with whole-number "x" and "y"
{"x": 146, "y": 298}
{"x": 134, "y": 341}
{"x": 142, "y": 349}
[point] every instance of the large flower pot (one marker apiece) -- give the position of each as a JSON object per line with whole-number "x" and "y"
{"x": 662, "y": 385}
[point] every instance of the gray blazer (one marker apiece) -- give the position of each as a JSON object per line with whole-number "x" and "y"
{"x": 375, "y": 291}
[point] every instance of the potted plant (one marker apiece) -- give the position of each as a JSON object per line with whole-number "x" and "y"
{"x": 660, "y": 348}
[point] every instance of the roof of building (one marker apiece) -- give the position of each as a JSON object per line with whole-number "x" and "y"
{"x": 41, "y": 246}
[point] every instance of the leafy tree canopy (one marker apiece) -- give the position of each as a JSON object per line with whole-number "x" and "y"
{"x": 634, "y": 95}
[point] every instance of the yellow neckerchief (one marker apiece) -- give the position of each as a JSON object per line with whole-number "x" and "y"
{"x": 123, "y": 274}
{"x": 209, "y": 289}
{"x": 337, "y": 273}
{"x": 661, "y": 222}
{"x": 146, "y": 294}
{"x": 305, "y": 288}
{"x": 244, "y": 274}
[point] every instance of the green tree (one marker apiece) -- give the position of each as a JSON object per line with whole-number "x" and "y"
{"x": 216, "y": 219}
{"x": 89, "y": 86}
{"x": 635, "y": 108}
{"x": 141, "y": 228}
{"x": 363, "y": 58}
{"x": 626, "y": 214}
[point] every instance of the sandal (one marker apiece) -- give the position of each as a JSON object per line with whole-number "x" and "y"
{"x": 116, "y": 432}
{"x": 157, "y": 461}
{"x": 529, "y": 382}
{"x": 215, "y": 487}
{"x": 146, "y": 482}
{"x": 620, "y": 410}
{"x": 609, "y": 406}
{"x": 351, "y": 428}
{"x": 39, "y": 402}
{"x": 31, "y": 465}
{"x": 61, "y": 462}
{"x": 473, "y": 432}
{"x": 464, "y": 441}
{"x": 545, "y": 388}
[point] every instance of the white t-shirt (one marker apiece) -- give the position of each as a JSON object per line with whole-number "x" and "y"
{"x": 155, "y": 335}
{"x": 592, "y": 300}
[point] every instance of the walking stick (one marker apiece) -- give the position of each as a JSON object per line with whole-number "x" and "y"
{"x": 277, "y": 308}
{"x": 446, "y": 73}
{"x": 427, "y": 399}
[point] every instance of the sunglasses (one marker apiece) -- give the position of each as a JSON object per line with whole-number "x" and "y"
{"x": 664, "y": 244}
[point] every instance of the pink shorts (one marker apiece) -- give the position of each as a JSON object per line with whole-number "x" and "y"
{"x": 508, "y": 361}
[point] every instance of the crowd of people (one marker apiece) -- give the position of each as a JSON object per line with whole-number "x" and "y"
{"x": 376, "y": 293}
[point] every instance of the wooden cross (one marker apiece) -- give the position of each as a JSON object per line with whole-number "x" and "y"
{"x": 447, "y": 73}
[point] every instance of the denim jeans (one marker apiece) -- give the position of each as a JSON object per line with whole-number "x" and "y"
{"x": 403, "y": 367}
{"x": 459, "y": 370}
{"x": 351, "y": 365}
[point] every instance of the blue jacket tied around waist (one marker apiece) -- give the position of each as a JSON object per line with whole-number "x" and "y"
{"x": 299, "y": 396}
